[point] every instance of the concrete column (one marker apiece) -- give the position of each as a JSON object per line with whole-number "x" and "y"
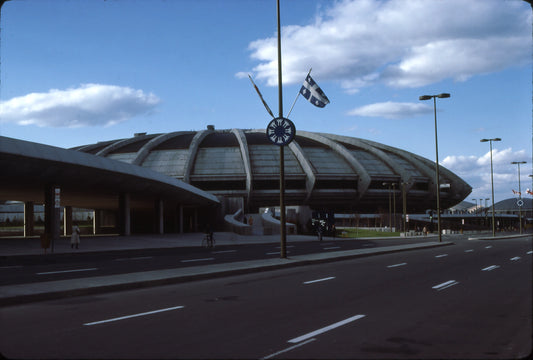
{"x": 124, "y": 217}
{"x": 29, "y": 216}
{"x": 195, "y": 225}
{"x": 181, "y": 218}
{"x": 95, "y": 222}
{"x": 67, "y": 220}
{"x": 52, "y": 199}
{"x": 159, "y": 216}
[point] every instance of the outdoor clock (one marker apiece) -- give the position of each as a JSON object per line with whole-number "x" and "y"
{"x": 280, "y": 131}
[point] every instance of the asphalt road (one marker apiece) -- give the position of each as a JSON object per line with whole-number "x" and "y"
{"x": 469, "y": 300}
{"x": 37, "y": 268}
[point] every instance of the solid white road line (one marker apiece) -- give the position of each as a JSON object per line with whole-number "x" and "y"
{"x": 490, "y": 268}
{"x": 135, "y": 258}
{"x": 515, "y": 258}
{"x": 134, "y": 315}
{"x": 223, "y": 251}
{"x": 194, "y": 260}
{"x": 441, "y": 255}
{"x": 318, "y": 280}
{"x": 324, "y": 329}
{"x": 65, "y": 271}
{"x": 396, "y": 265}
{"x": 445, "y": 285}
{"x": 288, "y": 349}
{"x": 276, "y": 253}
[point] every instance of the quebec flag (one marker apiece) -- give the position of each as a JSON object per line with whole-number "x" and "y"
{"x": 313, "y": 93}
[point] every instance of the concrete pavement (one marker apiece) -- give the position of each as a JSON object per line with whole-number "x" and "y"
{"x": 21, "y": 293}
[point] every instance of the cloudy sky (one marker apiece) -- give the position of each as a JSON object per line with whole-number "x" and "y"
{"x": 77, "y": 72}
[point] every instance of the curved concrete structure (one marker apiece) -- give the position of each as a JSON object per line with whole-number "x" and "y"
{"x": 323, "y": 171}
{"x": 37, "y": 173}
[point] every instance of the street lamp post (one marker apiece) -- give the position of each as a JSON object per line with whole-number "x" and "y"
{"x": 404, "y": 206}
{"x": 394, "y": 204}
{"x": 475, "y": 209}
{"x": 434, "y": 97}
{"x": 519, "y": 193}
{"x": 390, "y": 222}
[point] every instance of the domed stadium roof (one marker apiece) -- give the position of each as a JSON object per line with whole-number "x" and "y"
{"x": 324, "y": 171}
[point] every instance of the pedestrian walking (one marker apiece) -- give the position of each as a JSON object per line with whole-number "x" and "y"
{"x": 75, "y": 237}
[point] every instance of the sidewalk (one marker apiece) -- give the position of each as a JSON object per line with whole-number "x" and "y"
{"x": 14, "y": 246}
{"x": 22, "y": 293}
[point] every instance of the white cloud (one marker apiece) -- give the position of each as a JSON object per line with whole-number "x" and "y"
{"x": 87, "y": 105}
{"x": 475, "y": 170}
{"x": 392, "y": 110}
{"x": 401, "y": 43}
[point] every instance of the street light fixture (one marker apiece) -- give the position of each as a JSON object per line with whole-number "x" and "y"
{"x": 428, "y": 97}
{"x": 492, "y": 182}
{"x": 519, "y": 193}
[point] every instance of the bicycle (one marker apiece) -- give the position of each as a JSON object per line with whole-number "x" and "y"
{"x": 208, "y": 241}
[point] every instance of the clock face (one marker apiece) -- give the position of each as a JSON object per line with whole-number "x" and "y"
{"x": 281, "y": 131}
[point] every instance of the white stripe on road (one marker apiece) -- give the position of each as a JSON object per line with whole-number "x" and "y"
{"x": 332, "y": 248}
{"x": 396, "y": 265}
{"x": 288, "y": 349}
{"x": 324, "y": 329}
{"x": 515, "y": 258}
{"x": 488, "y": 247}
{"x": 529, "y": 252}
{"x": 490, "y": 268}
{"x": 135, "y": 258}
{"x": 318, "y": 280}
{"x": 194, "y": 260}
{"x": 469, "y": 250}
{"x": 65, "y": 271}
{"x": 445, "y": 285}
{"x": 11, "y": 267}
{"x": 134, "y": 315}
{"x": 223, "y": 251}
{"x": 442, "y": 255}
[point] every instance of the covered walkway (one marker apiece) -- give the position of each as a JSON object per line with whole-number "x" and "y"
{"x": 61, "y": 178}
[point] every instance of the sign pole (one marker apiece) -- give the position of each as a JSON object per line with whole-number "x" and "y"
{"x": 283, "y": 235}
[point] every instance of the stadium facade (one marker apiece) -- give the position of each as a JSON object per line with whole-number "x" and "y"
{"x": 322, "y": 171}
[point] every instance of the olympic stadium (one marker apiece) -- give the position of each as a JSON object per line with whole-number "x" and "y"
{"x": 322, "y": 171}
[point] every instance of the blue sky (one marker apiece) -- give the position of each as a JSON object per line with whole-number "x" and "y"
{"x": 78, "y": 72}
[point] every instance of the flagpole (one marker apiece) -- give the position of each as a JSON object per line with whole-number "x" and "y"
{"x": 283, "y": 230}
{"x": 297, "y": 96}
{"x": 261, "y": 97}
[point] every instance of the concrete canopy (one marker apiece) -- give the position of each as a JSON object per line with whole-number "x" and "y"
{"x": 86, "y": 180}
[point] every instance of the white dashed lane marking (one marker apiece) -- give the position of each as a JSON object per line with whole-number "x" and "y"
{"x": 132, "y": 316}
{"x": 490, "y": 268}
{"x": 319, "y": 280}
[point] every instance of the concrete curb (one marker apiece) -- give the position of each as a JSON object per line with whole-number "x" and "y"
{"x": 25, "y": 293}
{"x": 499, "y": 237}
